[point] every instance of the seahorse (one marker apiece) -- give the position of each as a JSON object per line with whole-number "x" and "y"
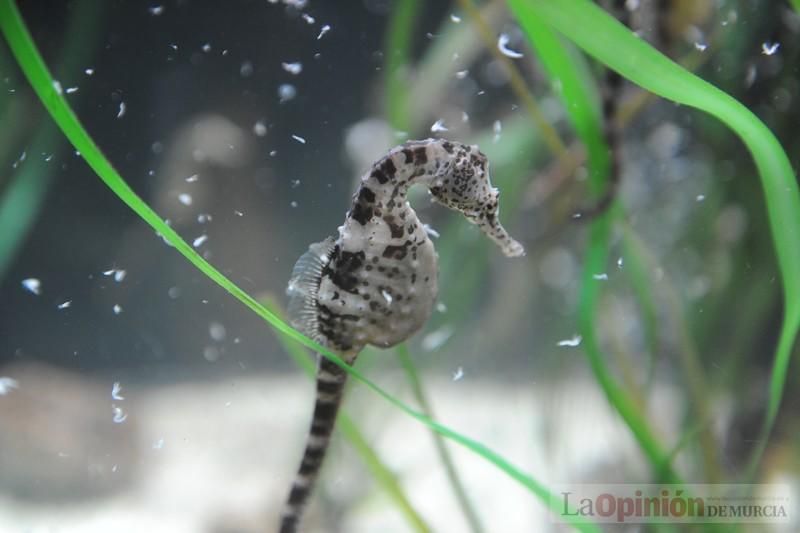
{"x": 376, "y": 283}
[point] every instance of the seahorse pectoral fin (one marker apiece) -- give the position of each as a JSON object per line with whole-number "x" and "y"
{"x": 304, "y": 286}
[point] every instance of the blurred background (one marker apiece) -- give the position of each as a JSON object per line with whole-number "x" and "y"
{"x": 135, "y": 394}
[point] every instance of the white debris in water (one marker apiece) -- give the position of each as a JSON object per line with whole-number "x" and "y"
{"x": 299, "y": 139}
{"x": 32, "y": 285}
{"x": 119, "y": 275}
{"x": 456, "y": 19}
{"x": 192, "y": 178}
{"x": 619, "y": 262}
{"x": 700, "y": 197}
{"x": 211, "y": 354}
{"x": 325, "y": 29}
{"x": 198, "y": 242}
{"x": 57, "y": 86}
{"x": 217, "y": 331}
{"x": 497, "y": 127}
{"x": 117, "y": 309}
{"x": 387, "y": 297}
{"x": 116, "y": 388}
{"x": 122, "y": 109}
{"x": 65, "y": 304}
{"x": 119, "y": 414}
{"x": 259, "y": 128}
{"x": 72, "y": 90}
{"x": 631, "y": 5}
{"x": 156, "y": 10}
{"x": 461, "y": 74}
{"x": 286, "y": 92}
{"x": 293, "y": 203}
{"x": 202, "y": 218}
{"x": 502, "y": 45}
{"x": 435, "y": 339}
{"x": 185, "y": 198}
{"x": 293, "y": 68}
{"x": 440, "y": 307}
{"x": 89, "y": 71}
{"x": 464, "y": 117}
{"x": 6, "y": 384}
{"x": 294, "y": 183}
{"x": 157, "y": 445}
{"x": 600, "y": 277}
{"x": 238, "y": 213}
{"x": 769, "y": 49}
{"x": 574, "y": 341}
{"x": 308, "y": 18}
{"x": 700, "y": 46}
{"x": 246, "y": 69}
{"x": 458, "y": 374}
{"x": 438, "y": 126}
{"x": 206, "y": 47}
{"x": 430, "y": 231}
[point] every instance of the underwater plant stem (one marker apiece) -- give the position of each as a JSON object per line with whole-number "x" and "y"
{"x": 549, "y": 134}
{"x": 441, "y": 448}
{"x": 398, "y": 52}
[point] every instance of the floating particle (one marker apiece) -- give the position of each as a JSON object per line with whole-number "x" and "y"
{"x": 185, "y": 199}
{"x": 71, "y": 90}
{"x": 387, "y": 297}
{"x": 438, "y": 126}
{"x": 458, "y": 374}
{"x": 286, "y": 92}
{"x": 192, "y": 178}
{"x": 65, "y": 304}
{"x": 206, "y": 47}
{"x": 430, "y": 231}
{"x": 117, "y": 309}
{"x": 157, "y": 445}
{"x": 259, "y": 128}
{"x": 631, "y": 5}
{"x": 308, "y": 18}
{"x": 119, "y": 275}
{"x": 156, "y": 10}
{"x": 157, "y": 147}
{"x": 769, "y": 49}
{"x": 461, "y": 74}
{"x": 700, "y": 197}
{"x": 122, "y": 109}
{"x": 217, "y": 331}
{"x": 299, "y": 139}
{"x": 89, "y": 71}
{"x": 119, "y": 414}
{"x": 620, "y": 261}
{"x": 202, "y": 218}
{"x": 700, "y": 47}
{"x": 502, "y": 45}
{"x": 116, "y": 388}
{"x": 246, "y": 69}
{"x": 32, "y": 285}
{"x": 600, "y": 277}
{"x": 497, "y": 127}
{"x": 435, "y": 339}
{"x": 173, "y": 46}
{"x": 198, "y": 242}
{"x": 293, "y": 203}
{"x": 464, "y": 117}
{"x": 174, "y": 292}
{"x": 293, "y": 68}
{"x": 238, "y": 213}
{"x": 325, "y": 29}
{"x": 57, "y": 86}
{"x": 456, "y": 19}
{"x": 211, "y": 354}
{"x": 294, "y": 183}
{"x": 6, "y": 384}
{"x": 574, "y": 341}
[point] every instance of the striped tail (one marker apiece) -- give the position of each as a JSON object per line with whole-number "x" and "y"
{"x": 330, "y": 387}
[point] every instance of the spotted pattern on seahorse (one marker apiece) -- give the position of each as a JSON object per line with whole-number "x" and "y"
{"x": 376, "y": 283}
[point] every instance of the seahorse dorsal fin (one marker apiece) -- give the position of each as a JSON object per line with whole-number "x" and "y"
{"x": 304, "y": 286}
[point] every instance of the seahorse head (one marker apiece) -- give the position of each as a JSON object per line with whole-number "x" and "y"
{"x": 464, "y": 185}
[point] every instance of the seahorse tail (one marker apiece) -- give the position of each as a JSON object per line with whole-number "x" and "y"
{"x": 330, "y": 388}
